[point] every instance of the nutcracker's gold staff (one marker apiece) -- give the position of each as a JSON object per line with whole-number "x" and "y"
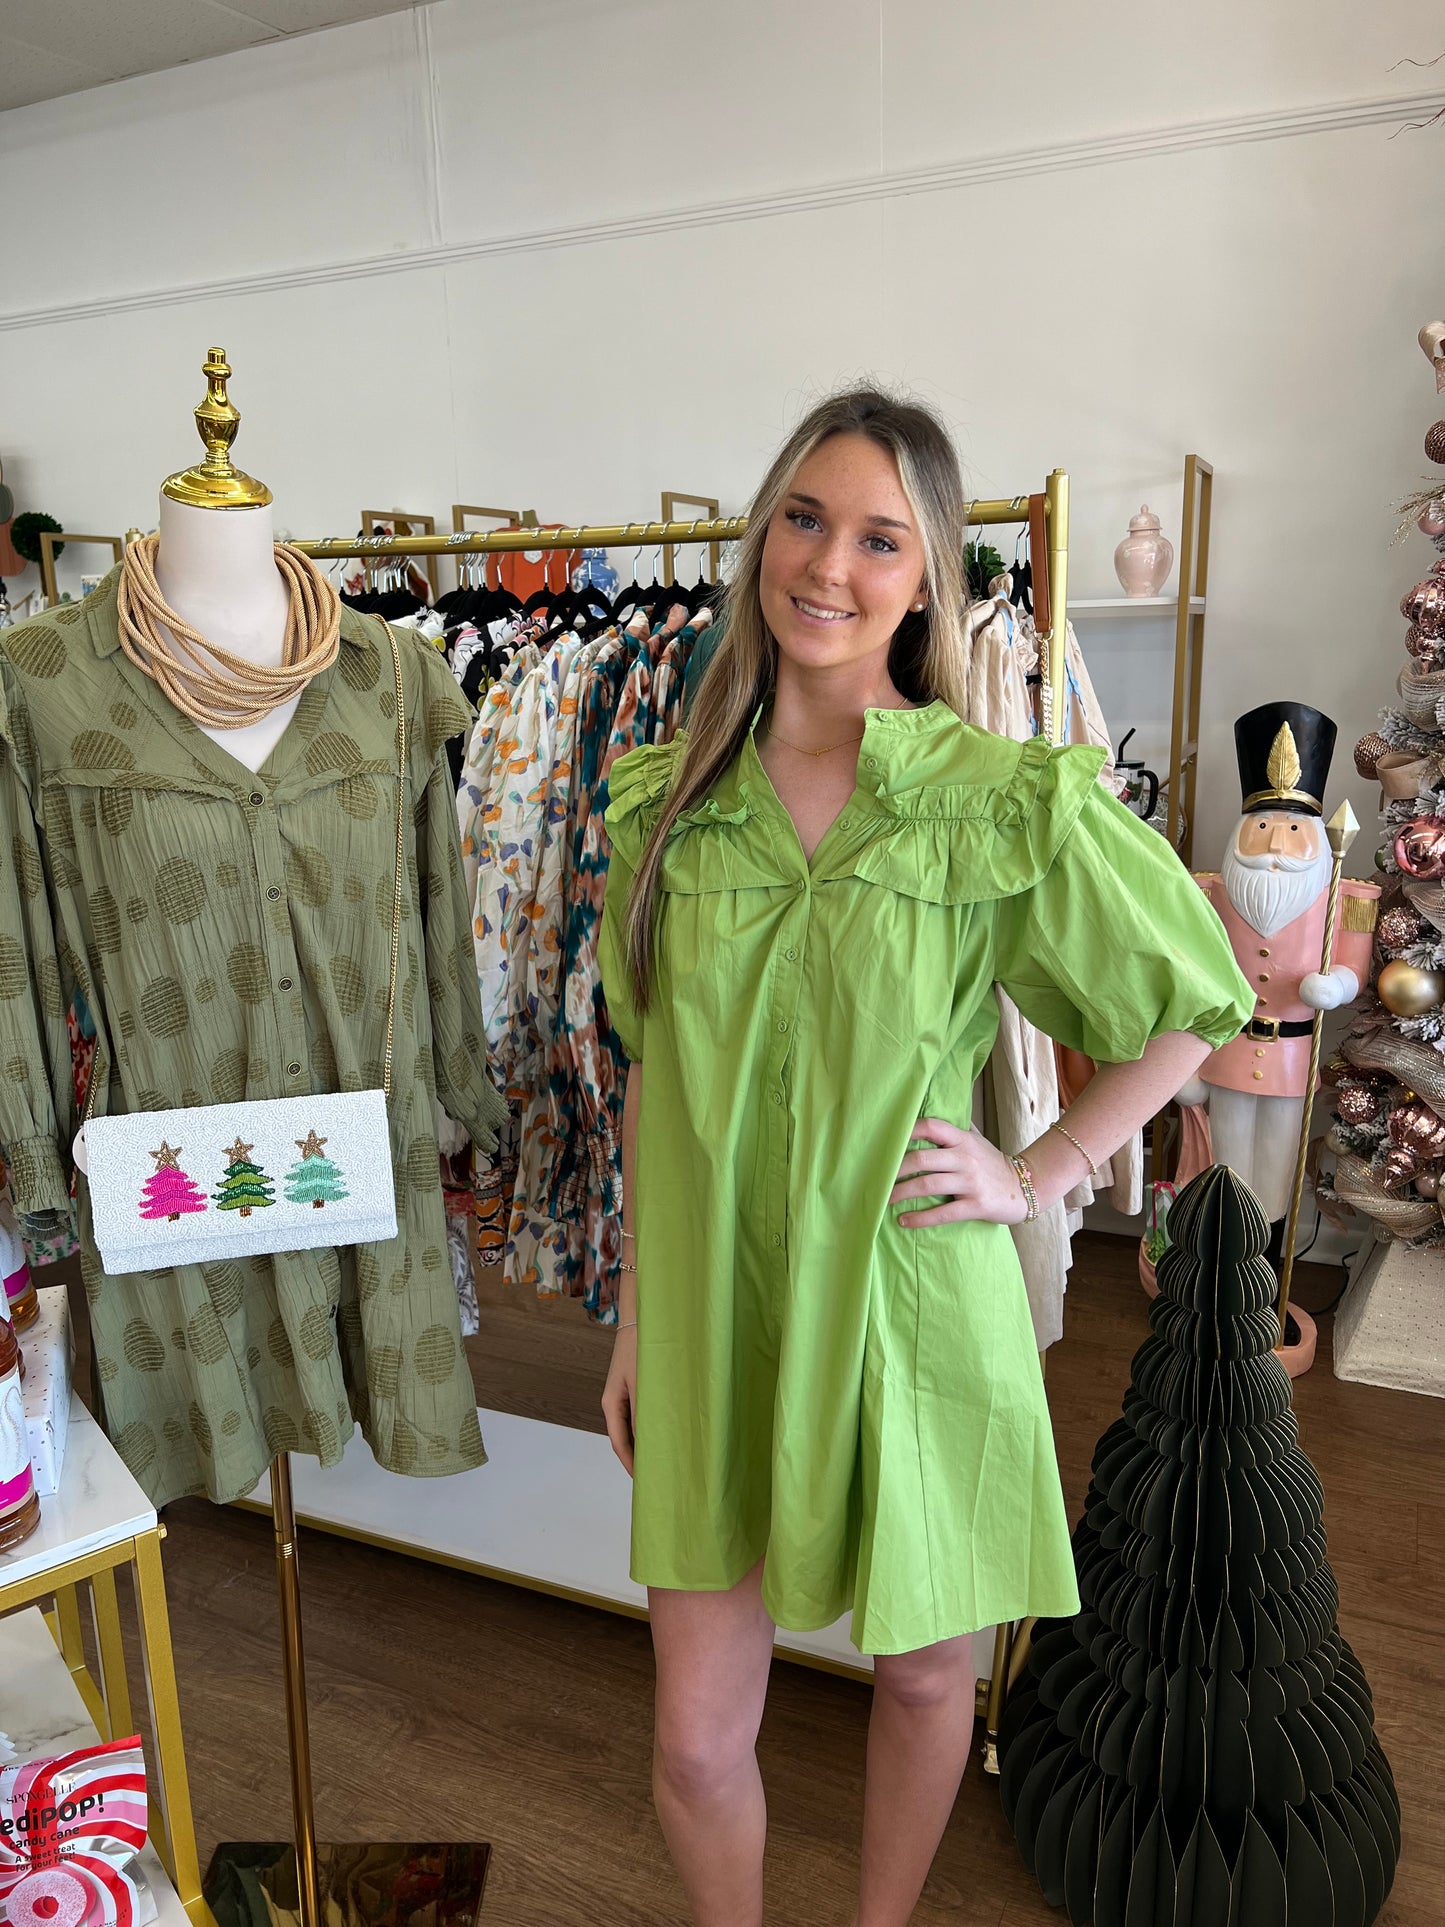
{"x": 1342, "y": 830}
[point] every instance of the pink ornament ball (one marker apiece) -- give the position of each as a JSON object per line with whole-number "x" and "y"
{"x": 1356, "y": 1103}
{"x": 1424, "y": 606}
{"x": 1399, "y": 927}
{"x": 1420, "y": 848}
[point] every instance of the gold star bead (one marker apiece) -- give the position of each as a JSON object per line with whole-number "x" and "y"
{"x": 239, "y": 1153}
{"x": 310, "y": 1145}
{"x": 166, "y": 1156}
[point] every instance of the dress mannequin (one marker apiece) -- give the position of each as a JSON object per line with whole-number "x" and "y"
{"x": 215, "y": 569}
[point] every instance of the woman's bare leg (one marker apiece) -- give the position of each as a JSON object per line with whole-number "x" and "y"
{"x": 713, "y": 1653}
{"x": 918, "y": 1742}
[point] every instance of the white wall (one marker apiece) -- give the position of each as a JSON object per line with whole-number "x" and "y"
{"x": 566, "y": 255}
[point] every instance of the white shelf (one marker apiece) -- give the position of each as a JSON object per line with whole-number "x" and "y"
{"x": 1135, "y": 604}
{"x": 99, "y": 1504}
{"x": 43, "y": 1713}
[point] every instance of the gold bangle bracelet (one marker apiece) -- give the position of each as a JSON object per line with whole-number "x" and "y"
{"x": 1063, "y": 1131}
{"x": 631, "y": 1268}
{"x": 1025, "y": 1176}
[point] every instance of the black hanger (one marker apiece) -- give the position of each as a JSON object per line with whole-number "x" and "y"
{"x": 704, "y": 594}
{"x": 594, "y": 600}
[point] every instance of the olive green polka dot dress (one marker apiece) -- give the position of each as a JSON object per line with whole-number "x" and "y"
{"x": 231, "y": 934}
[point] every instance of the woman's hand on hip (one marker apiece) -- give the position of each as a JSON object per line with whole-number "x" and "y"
{"x": 960, "y": 1166}
{"x": 619, "y": 1396}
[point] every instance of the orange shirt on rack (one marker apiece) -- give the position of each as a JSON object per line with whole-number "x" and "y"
{"x": 524, "y": 571}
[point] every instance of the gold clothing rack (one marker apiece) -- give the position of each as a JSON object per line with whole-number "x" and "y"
{"x": 1046, "y": 515}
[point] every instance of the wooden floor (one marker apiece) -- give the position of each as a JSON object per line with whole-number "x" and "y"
{"x": 446, "y": 1706}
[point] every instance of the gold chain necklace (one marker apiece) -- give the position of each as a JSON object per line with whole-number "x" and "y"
{"x": 241, "y": 691}
{"x": 811, "y": 752}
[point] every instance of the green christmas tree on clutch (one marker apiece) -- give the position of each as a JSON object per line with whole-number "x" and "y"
{"x": 1196, "y": 1748}
{"x": 313, "y": 1179}
{"x": 245, "y": 1187}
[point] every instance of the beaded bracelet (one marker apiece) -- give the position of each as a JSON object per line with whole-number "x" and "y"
{"x": 1025, "y": 1176}
{"x": 1063, "y": 1131}
{"x": 631, "y": 1268}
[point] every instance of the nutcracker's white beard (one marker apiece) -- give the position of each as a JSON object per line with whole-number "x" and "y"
{"x": 1271, "y": 891}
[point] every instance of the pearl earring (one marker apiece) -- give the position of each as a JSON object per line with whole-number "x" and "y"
{"x": 917, "y": 606}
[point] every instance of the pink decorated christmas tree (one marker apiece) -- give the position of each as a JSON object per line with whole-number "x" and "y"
{"x": 169, "y": 1192}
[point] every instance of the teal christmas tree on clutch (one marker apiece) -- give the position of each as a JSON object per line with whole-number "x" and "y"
{"x": 245, "y": 1187}
{"x": 169, "y": 1191}
{"x": 314, "y": 1179}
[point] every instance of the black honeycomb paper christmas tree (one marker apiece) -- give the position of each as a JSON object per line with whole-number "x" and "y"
{"x": 1197, "y": 1748}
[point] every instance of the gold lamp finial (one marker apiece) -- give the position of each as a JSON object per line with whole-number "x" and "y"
{"x": 214, "y": 483}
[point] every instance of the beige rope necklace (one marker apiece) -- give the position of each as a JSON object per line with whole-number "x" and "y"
{"x": 241, "y": 691}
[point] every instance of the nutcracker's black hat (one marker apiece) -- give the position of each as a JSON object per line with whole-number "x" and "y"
{"x": 1284, "y": 752}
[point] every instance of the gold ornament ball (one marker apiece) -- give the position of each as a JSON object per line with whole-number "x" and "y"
{"x": 1407, "y": 991}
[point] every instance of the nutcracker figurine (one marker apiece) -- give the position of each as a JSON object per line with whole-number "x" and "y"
{"x": 1271, "y": 897}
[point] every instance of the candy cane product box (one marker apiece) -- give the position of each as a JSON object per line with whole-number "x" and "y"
{"x": 70, "y": 1830}
{"x": 48, "y": 1348}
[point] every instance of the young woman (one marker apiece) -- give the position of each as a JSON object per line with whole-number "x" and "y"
{"x": 824, "y": 1379}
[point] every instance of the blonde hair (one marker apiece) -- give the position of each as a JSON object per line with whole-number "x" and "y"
{"x": 927, "y": 656}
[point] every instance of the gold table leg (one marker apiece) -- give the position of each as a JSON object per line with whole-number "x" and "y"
{"x": 114, "y": 1686}
{"x": 172, "y": 1822}
{"x": 65, "y": 1630}
{"x": 67, "y": 1620}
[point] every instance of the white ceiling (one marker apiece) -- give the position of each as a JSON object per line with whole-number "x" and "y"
{"x": 51, "y": 47}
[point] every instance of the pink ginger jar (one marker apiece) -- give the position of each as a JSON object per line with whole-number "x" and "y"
{"x": 1144, "y": 558}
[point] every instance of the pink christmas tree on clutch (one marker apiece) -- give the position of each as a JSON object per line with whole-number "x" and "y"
{"x": 168, "y": 1191}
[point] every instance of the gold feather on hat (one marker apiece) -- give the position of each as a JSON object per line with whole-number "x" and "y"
{"x": 1283, "y": 767}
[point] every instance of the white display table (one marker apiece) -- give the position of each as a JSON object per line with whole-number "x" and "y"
{"x": 99, "y": 1519}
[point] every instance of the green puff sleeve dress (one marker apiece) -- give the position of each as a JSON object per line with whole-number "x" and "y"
{"x": 859, "y": 1405}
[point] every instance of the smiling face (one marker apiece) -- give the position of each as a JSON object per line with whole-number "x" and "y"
{"x": 844, "y": 560}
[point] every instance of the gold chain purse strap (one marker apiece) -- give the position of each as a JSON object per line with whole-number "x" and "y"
{"x": 400, "y": 854}
{"x": 95, "y": 1078}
